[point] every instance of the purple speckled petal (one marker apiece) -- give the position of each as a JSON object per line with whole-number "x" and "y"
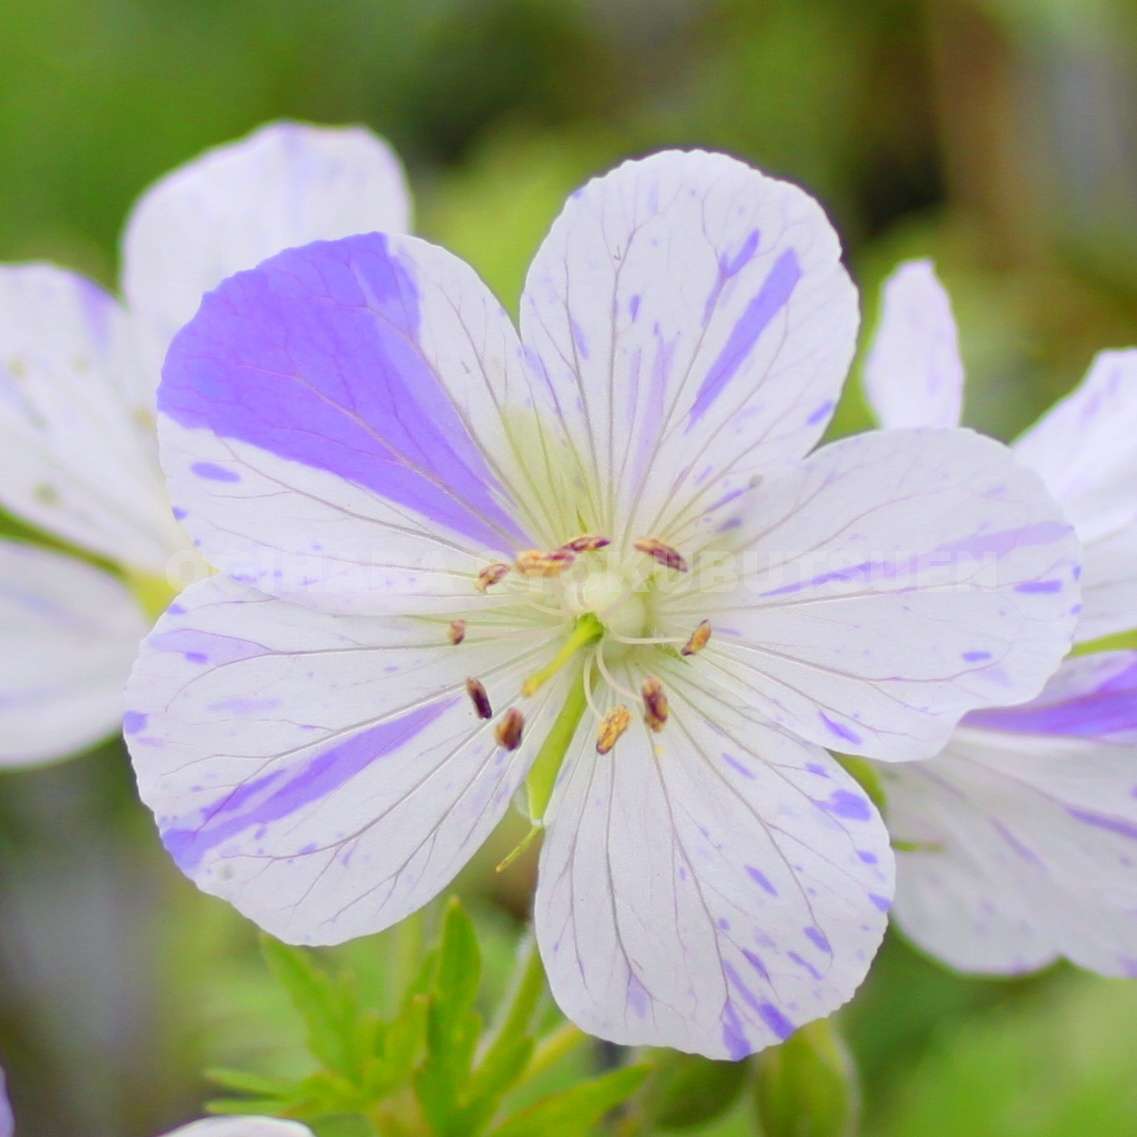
{"x": 710, "y": 888}
{"x": 7, "y": 1123}
{"x": 694, "y": 325}
{"x": 333, "y": 425}
{"x": 1083, "y": 448}
{"x": 326, "y": 774}
{"x": 69, "y": 635}
{"x": 1027, "y": 829}
{"x": 888, "y": 585}
{"x": 914, "y": 374}
{"x": 284, "y": 185}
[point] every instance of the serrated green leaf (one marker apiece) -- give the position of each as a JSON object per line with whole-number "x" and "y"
{"x": 327, "y": 1006}
{"x": 574, "y": 1112}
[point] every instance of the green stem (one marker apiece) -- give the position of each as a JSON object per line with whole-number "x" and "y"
{"x": 547, "y": 764}
{"x": 561, "y": 1043}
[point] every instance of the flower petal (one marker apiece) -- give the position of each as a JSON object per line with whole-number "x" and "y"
{"x": 1027, "y": 830}
{"x": 73, "y": 458}
{"x": 1084, "y": 449}
{"x": 709, "y": 888}
{"x": 242, "y": 1127}
{"x": 70, "y": 634}
{"x": 333, "y": 425}
{"x": 325, "y": 774}
{"x": 913, "y": 372}
{"x": 285, "y": 184}
{"x": 889, "y": 584}
{"x": 7, "y": 1125}
{"x": 694, "y": 325}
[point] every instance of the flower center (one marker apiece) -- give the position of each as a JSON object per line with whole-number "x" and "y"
{"x": 612, "y": 599}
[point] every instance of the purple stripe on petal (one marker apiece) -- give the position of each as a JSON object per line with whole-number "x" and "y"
{"x": 776, "y": 1021}
{"x": 839, "y": 730}
{"x": 733, "y": 1037}
{"x": 283, "y": 792}
{"x": 735, "y": 764}
{"x": 1107, "y": 711}
{"x": 1118, "y": 825}
{"x": 133, "y": 722}
{"x": 772, "y": 297}
{"x": 804, "y": 964}
{"x": 761, "y": 879}
{"x": 214, "y": 473}
{"x": 315, "y": 356}
{"x": 1033, "y": 586}
{"x": 850, "y": 806}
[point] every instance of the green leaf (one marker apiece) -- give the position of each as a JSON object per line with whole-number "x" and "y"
{"x": 328, "y": 1007}
{"x": 807, "y": 1087}
{"x": 249, "y": 1083}
{"x": 459, "y": 963}
{"x": 576, "y": 1111}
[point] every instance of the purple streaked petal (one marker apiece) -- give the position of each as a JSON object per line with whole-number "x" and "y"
{"x": 279, "y": 746}
{"x": 740, "y": 906}
{"x": 734, "y": 364}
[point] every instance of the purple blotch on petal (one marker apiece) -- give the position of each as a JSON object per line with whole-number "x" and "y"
{"x": 133, "y": 722}
{"x": 214, "y": 473}
{"x": 839, "y": 730}
{"x": 761, "y": 879}
{"x": 846, "y": 804}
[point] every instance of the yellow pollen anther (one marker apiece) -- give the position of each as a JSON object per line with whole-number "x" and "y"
{"x": 490, "y": 575}
{"x": 587, "y": 543}
{"x": 457, "y": 631}
{"x": 655, "y": 703}
{"x": 479, "y": 698}
{"x": 612, "y": 726}
{"x": 509, "y": 728}
{"x": 698, "y": 640}
{"x": 664, "y": 554}
{"x": 536, "y": 562}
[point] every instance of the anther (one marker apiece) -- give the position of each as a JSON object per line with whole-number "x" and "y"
{"x": 664, "y": 554}
{"x": 457, "y": 631}
{"x": 509, "y": 728}
{"x": 587, "y": 543}
{"x": 655, "y": 703}
{"x": 490, "y": 575}
{"x": 698, "y": 640}
{"x": 537, "y": 562}
{"x": 479, "y": 698}
{"x": 612, "y": 726}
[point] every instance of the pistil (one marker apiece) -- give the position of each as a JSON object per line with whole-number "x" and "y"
{"x": 587, "y": 629}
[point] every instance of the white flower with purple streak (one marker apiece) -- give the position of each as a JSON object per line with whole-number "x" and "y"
{"x": 1018, "y": 843}
{"x": 78, "y": 371}
{"x": 462, "y": 562}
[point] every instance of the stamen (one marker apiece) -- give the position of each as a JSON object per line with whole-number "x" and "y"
{"x": 698, "y": 640}
{"x": 479, "y": 698}
{"x": 655, "y": 704}
{"x": 490, "y": 575}
{"x": 518, "y": 849}
{"x": 509, "y": 728}
{"x": 589, "y": 664}
{"x": 587, "y": 629}
{"x": 457, "y": 631}
{"x": 664, "y": 554}
{"x": 609, "y": 678}
{"x": 612, "y": 726}
{"x": 536, "y": 562}
{"x": 587, "y": 543}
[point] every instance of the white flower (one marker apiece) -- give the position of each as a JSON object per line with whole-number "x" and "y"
{"x": 212, "y": 1127}
{"x": 78, "y": 370}
{"x": 598, "y": 555}
{"x": 1018, "y": 842}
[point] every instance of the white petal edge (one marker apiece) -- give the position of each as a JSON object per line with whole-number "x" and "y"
{"x": 1083, "y": 448}
{"x": 694, "y": 326}
{"x": 68, "y": 636}
{"x": 241, "y": 1127}
{"x": 1026, "y": 830}
{"x": 889, "y": 584}
{"x": 74, "y": 458}
{"x": 285, "y": 184}
{"x": 913, "y": 373}
{"x": 327, "y": 775}
{"x": 710, "y": 888}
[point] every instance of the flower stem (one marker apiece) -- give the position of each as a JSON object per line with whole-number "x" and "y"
{"x": 525, "y": 990}
{"x": 547, "y": 764}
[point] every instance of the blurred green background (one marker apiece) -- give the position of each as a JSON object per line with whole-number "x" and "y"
{"x": 999, "y": 136}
